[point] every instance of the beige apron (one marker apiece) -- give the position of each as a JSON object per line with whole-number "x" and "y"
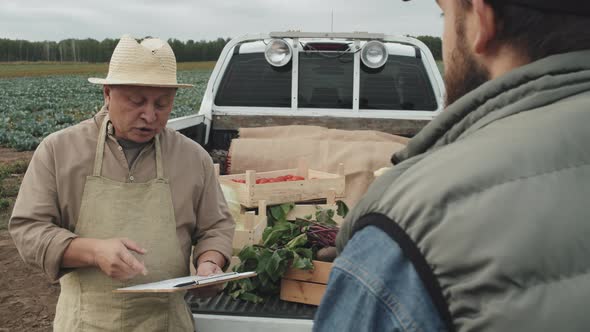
{"x": 142, "y": 212}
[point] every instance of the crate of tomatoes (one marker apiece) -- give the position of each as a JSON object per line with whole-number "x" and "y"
{"x": 280, "y": 178}
{"x": 283, "y": 186}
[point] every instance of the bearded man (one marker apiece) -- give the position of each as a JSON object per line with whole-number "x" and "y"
{"x": 483, "y": 222}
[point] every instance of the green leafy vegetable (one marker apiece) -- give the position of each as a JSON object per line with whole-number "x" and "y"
{"x": 342, "y": 209}
{"x": 286, "y": 244}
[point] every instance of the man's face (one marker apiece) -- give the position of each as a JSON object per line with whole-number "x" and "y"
{"x": 138, "y": 113}
{"x": 463, "y": 73}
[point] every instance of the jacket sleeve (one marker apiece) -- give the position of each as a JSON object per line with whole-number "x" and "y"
{"x": 374, "y": 287}
{"x": 215, "y": 224}
{"x": 35, "y": 221}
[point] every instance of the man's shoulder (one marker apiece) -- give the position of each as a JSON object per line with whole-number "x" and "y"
{"x": 84, "y": 131}
{"x": 515, "y": 148}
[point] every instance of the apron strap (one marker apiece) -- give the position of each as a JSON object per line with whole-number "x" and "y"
{"x": 159, "y": 168}
{"x": 102, "y": 135}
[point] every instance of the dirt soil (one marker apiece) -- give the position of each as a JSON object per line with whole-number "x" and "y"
{"x": 27, "y": 298}
{"x": 10, "y": 155}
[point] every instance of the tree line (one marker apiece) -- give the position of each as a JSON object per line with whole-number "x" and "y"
{"x": 90, "y": 50}
{"x": 434, "y": 44}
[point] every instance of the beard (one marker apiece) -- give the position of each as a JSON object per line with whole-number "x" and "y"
{"x": 462, "y": 73}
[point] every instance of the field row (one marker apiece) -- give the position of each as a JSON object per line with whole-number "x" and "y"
{"x": 30, "y": 69}
{"x": 34, "y": 107}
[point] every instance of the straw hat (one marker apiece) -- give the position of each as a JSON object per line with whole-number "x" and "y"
{"x": 151, "y": 63}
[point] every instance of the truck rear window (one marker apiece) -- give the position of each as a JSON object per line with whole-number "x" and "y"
{"x": 250, "y": 81}
{"x": 326, "y": 81}
{"x": 401, "y": 84}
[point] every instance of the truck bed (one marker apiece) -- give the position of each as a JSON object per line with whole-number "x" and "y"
{"x": 223, "y": 304}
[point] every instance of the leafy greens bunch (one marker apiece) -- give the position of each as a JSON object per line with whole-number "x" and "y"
{"x": 285, "y": 244}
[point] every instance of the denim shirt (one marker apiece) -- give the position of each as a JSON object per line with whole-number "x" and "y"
{"x": 375, "y": 292}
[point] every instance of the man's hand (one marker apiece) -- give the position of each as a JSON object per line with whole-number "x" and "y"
{"x": 208, "y": 268}
{"x": 114, "y": 258}
{"x": 208, "y": 265}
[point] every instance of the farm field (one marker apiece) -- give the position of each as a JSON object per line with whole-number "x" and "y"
{"x": 35, "y": 106}
{"x": 27, "y": 69}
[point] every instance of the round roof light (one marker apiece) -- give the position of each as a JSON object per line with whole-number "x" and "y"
{"x": 278, "y": 52}
{"x": 374, "y": 54}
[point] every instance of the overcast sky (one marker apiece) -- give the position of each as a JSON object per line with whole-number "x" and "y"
{"x": 37, "y": 20}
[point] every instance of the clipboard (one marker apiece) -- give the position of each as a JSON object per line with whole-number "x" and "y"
{"x": 184, "y": 283}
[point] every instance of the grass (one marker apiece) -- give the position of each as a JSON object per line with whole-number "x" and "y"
{"x": 6, "y": 205}
{"x": 196, "y": 65}
{"x": 4, "y": 217}
{"x": 11, "y": 175}
{"x": 17, "y": 167}
{"x": 32, "y": 69}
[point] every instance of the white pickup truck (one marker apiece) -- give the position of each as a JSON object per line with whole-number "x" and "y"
{"x": 336, "y": 80}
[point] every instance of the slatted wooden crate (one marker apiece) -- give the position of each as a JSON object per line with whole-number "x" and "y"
{"x": 306, "y": 210}
{"x": 249, "y": 227}
{"x": 315, "y": 186}
{"x": 306, "y": 286}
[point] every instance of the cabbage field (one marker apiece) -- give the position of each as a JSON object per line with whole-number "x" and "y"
{"x": 34, "y": 107}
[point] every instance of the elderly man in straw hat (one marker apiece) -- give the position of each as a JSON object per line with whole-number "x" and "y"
{"x": 119, "y": 199}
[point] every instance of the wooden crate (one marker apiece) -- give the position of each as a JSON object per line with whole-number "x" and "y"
{"x": 316, "y": 185}
{"x": 249, "y": 227}
{"x": 306, "y": 286}
{"x": 305, "y": 210}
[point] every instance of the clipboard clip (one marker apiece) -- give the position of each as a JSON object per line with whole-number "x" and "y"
{"x": 196, "y": 282}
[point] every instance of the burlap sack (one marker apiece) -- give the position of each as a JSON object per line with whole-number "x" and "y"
{"x": 273, "y": 148}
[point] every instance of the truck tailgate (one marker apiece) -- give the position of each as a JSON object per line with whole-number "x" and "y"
{"x": 222, "y": 313}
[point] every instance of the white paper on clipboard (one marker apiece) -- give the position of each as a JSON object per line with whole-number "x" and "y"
{"x": 184, "y": 283}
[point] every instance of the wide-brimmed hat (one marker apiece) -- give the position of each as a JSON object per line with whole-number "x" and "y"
{"x": 151, "y": 63}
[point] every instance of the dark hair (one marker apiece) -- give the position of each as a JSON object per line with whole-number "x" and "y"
{"x": 538, "y": 34}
